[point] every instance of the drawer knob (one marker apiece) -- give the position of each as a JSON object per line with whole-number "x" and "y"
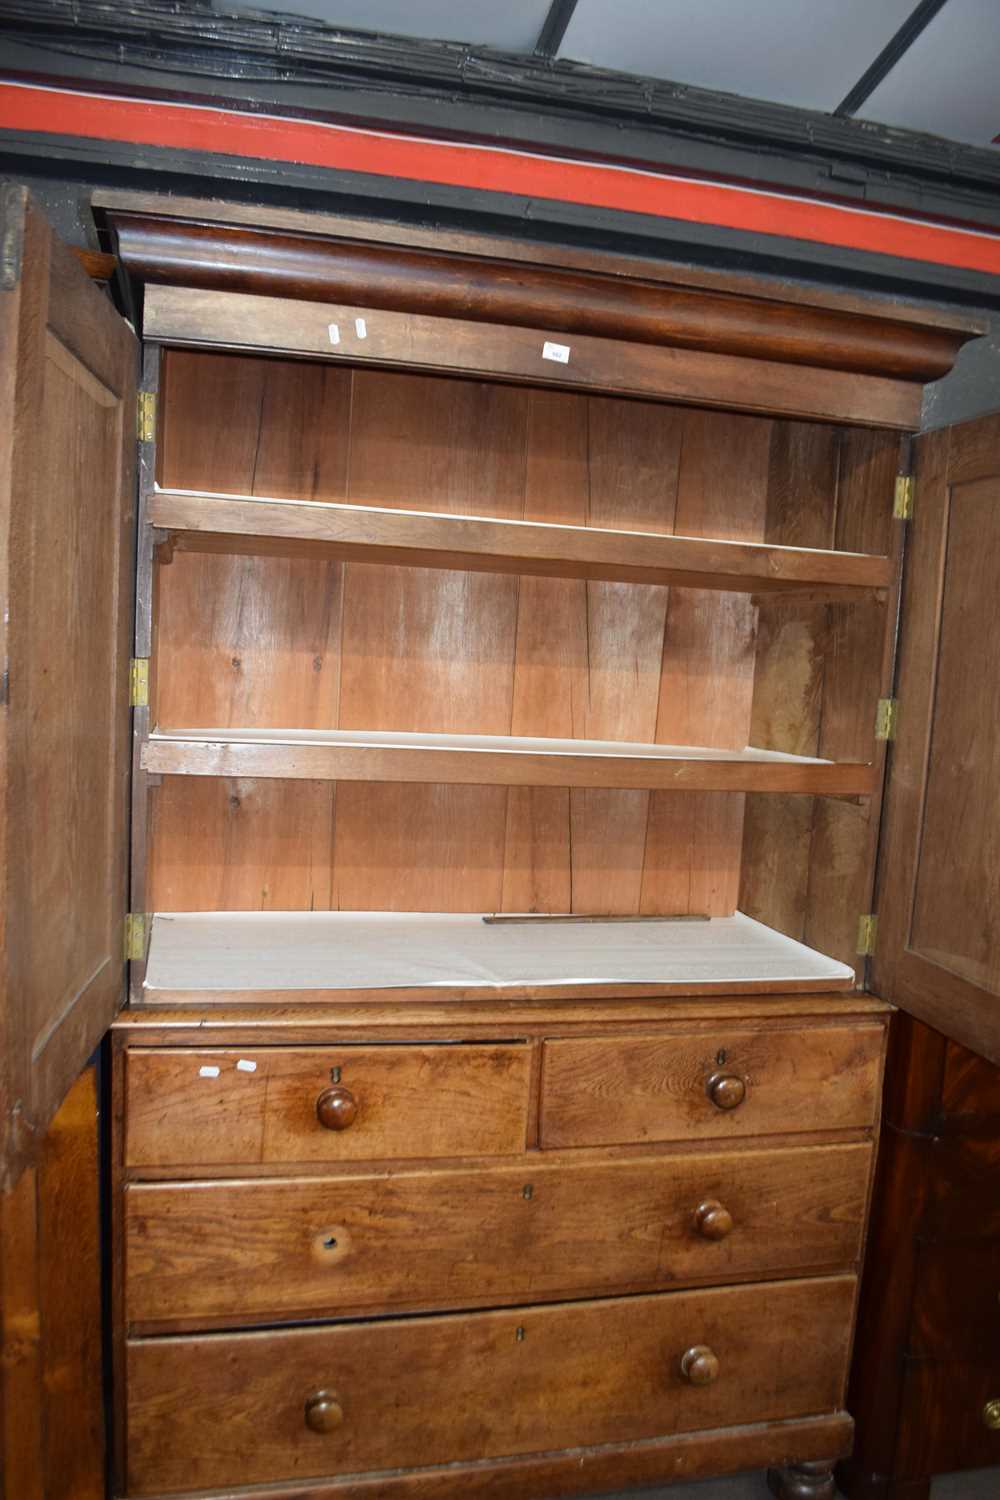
{"x": 726, "y": 1090}
{"x": 713, "y": 1219}
{"x": 336, "y": 1108}
{"x": 991, "y": 1415}
{"x": 700, "y": 1365}
{"x": 324, "y": 1412}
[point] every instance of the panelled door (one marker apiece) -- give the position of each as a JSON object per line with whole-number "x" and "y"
{"x": 67, "y": 456}
{"x": 938, "y": 949}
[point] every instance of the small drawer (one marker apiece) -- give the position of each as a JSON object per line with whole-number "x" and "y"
{"x": 201, "y": 1107}
{"x": 259, "y": 1408}
{"x": 318, "y": 1247}
{"x": 711, "y": 1085}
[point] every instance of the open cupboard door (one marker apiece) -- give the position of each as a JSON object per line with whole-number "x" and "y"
{"x": 67, "y": 456}
{"x": 938, "y": 949}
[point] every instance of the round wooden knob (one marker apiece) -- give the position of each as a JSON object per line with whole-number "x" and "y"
{"x": 324, "y": 1412}
{"x": 336, "y": 1108}
{"x": 713, "y": 1219}
{"x": 726, "y": 1090}
{"x": 700, "y": 1366}
{"x": 991, "y": 1415}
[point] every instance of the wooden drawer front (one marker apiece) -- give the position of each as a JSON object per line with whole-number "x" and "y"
{"x": 261, "y": 1105}
{"x": 603, "y": 1090}
{"x": 230, "y": 1409}
{"x": 503, "y": 1234}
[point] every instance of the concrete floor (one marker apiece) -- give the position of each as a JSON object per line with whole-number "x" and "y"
{"x": 982, "y": 1484}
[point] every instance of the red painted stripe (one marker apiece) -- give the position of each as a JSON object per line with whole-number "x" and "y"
{"x": 268, "y": 138}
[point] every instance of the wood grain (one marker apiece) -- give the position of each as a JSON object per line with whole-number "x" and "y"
{"x": 275, "y": 326}
{"x": 412, "y": 1102}
{"x": 517, "y": 251}
{"x": 434, "y": 280}
{"x": 241, "y": 845}
{"x": 66, "y": 555}
{"x": 232, "y": 524}
{"x": 938, "y": 953}
{"x": 609, "y": 1091}
{"x": 228, "y": 1409}
{"x": 308, "y": 1024}
{"x": 51, "y": 1393}
{"x": 483, "y": 1236}
{"x": 313, "y": 755}
{"x": 439, "y": 649}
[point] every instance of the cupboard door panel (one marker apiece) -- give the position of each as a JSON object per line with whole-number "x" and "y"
{"x": 938, "y": 954}
{"x": 67, "y": 503}
{"x": 224, "y": 1410}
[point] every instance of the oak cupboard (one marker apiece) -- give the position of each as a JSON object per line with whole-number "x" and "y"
{"x": 498, "y": 854}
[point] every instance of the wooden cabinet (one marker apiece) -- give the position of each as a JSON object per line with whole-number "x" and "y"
{"x": 495, "y": 1101}
{"x": 926, "y": 1379}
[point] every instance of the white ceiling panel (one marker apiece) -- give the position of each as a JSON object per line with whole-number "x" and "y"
{"x": 804, "y": 52}
{"x": 948, "y": 82}
{"x": 511, "y": 24}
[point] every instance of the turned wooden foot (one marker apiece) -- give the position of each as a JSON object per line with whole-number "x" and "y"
{"x": 808, "y": 1481}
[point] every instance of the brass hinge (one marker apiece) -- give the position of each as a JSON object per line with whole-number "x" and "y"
{"x": 146, "y": 416}
{"x": 135, "y": 935}
{"x": 902, "y": 505}
{"x": 138, "y": 682}
{"x": 867, "y": 934}
{"x": 886, "y": 717}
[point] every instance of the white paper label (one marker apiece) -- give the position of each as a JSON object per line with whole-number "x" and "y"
{"x": 334, "y": 333}
{"x": 244, "y": 1066}
{"x": 558, "y": 352}
{"x": 361, "y": 328}
{"x": 208, "y": 1072}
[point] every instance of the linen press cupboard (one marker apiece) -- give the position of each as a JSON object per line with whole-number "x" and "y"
{"x": 467, "y": 571}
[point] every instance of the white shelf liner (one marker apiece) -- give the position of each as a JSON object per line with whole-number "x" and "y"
{"x": 391, "y": 950}
{"x": 508, "y": 744}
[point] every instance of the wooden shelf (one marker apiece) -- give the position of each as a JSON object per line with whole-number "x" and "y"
{"x": 488, "y": 760}
{"x": 365, "y": 533}
{"x": 267, "y": 957}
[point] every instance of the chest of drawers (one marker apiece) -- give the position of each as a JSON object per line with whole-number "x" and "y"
{"x": 534, "y": 1264}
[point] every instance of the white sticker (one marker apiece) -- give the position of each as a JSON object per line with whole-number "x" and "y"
{"x": 334, "y": 332}
{"x": 208, "y": 1072}
{"x": 558, "y": 352}
{"x": 243, "y": 1066}
{"x": 361, "y": 328}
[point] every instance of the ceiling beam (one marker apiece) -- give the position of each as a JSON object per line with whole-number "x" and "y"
{"x": 554, "y": 27}
{"x": 894, "y": 49}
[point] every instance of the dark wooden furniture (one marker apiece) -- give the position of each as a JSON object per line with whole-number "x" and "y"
{"x": 925, "y": 1387}
{"x": 465, "y": 578}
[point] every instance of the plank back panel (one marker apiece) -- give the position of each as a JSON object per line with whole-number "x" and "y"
{"x": 269, "y": 641}
{"x": 808, "y": 862}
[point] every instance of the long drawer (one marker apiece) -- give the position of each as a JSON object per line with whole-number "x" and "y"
{"x": 231, "y": 1409}
{"x": 190, "y": 1107}
{"x": 326, "y": 1246}
{"x": 717, "y": 1085}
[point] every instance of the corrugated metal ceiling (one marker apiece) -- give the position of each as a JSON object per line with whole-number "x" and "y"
{"x": 940, "y": 73}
